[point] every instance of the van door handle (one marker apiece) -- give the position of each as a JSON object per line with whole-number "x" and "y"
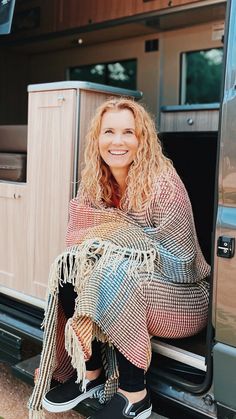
{"x": 225, "y": 246}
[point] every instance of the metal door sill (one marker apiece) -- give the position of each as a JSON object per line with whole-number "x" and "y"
{"x": 178, "y": 354}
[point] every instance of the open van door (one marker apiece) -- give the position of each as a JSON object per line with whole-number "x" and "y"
{"x": 224, "y": 307}
{"x": 6, "y": 15}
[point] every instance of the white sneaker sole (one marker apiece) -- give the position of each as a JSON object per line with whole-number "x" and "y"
{"x": 145, "y": 414}
{"x": 64, "y": 407}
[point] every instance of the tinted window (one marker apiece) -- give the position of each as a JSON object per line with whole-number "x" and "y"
{"x": 118, "y": 73}
{"x": 201, "y": 73}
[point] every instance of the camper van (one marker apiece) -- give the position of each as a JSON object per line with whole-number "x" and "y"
{"x": 59, "y": 60}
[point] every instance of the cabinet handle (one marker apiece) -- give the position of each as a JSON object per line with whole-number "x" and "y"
{"x": 190, "y": 121}
{"x": 61, "y": 98}
{"x": 16, "y": 196}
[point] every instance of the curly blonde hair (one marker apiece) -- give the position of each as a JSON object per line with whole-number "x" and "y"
{"x": 97, "y": 182}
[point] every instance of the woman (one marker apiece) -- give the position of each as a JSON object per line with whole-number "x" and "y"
{"x": 132, "y": 269}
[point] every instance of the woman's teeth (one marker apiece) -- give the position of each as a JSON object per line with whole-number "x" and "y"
{"x": 118, "y": 153}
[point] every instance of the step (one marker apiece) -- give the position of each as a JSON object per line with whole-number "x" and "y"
{"x": 179, "y": 354}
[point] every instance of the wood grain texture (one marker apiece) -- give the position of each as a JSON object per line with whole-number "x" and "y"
{"x": 89, "y": 101}
{"x": 74, "y": 13}
{"x": 189, "y": 121}
{"x": 51, "y": 139}
{"x": 13, "y": 243}
{"x": 34, "y": 215}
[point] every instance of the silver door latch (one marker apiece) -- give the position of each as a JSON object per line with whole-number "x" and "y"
{"x": 225, "y": 246}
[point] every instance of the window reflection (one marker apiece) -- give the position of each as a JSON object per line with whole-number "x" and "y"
{"x": 201, "y": 73}
{"x": 119, "y": 73}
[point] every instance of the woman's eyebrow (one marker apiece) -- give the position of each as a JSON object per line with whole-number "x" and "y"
{"x": 104, "y": 128}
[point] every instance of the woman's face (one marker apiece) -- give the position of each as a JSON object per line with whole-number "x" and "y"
{"x": 117, "y": 141}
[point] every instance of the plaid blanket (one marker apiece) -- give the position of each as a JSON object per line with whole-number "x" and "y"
{"x": 136, "y": 275}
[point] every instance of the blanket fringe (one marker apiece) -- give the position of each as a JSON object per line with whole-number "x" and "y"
{"x": 75, "y": 351}
{"x": 73, "y": 265}
{"x": 76, "y": 263}
{"x": 37, "y": 414}
{"x": 99, "y": 334}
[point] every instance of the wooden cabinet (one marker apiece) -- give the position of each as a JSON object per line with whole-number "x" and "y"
{"x": 75, "y": 13}
{"x": 188, "y": 119}
{"x": 51, "y": 136}
{"x": 37, "y": 17}
{"x": 34, "y": 215}
{"x": 13, "y": 240}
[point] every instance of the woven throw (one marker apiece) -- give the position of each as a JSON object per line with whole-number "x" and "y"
{"x": 136, "y": 275}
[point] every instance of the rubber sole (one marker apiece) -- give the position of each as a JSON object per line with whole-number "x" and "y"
{"x": 64, "y": 407}
{"x": 143, "y": 415}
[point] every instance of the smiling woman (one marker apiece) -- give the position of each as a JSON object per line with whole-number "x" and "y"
{"x": 130, "y": 124}
{"x": 132, "y": 269}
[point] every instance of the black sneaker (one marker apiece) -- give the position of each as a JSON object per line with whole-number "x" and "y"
{"x": 119, "y": 407}
{"x": 66, "y": 396}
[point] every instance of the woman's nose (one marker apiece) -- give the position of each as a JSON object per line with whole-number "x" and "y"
{"x": 117, "y": 139}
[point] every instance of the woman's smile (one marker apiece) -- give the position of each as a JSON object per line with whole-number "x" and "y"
{"x": 118, "y": 152}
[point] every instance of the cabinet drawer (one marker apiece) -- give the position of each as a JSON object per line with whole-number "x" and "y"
{"x": 189, "y": 121}
{"x": 13, "y": 167}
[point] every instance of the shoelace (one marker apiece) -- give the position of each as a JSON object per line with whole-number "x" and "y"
{"x": 100, "y": 395}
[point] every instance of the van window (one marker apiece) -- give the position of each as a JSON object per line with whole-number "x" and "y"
{"x": 201, "y": 73}
{"x": 6, "y": 14}
{"x": 117, "y": 73}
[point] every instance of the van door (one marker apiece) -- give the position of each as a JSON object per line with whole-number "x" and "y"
{"x": 224, "y": 307}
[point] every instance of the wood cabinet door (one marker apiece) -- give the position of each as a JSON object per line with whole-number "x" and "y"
{"x": 51, "y": 141}
{"x": 13, "y": 245}
{"x": 73, "y": 13}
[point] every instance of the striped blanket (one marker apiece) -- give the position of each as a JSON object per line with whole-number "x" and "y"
{"x": 135, "y": 277}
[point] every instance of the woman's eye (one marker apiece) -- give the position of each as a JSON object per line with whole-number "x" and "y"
{"x": 129, "y": 132}
{"x": 108, "y": 131}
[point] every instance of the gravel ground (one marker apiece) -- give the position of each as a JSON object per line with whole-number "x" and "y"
{"x": 14, "y": 395}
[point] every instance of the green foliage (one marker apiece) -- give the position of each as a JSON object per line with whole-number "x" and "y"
{"x": 203, "y": 76}
{"x": 120, "y": 73}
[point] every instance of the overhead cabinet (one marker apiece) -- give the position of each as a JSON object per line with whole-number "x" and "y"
{"x": 74, "y": 13}
{"x": 39, "y": 17}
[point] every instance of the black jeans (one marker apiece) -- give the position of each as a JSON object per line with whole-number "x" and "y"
{"x": 131, "y": 377}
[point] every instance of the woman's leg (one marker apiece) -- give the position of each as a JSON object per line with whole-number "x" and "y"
{"x": 131, "y": 378}
{"x": 132, "y": 382}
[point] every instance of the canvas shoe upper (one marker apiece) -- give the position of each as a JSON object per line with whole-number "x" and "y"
{"x": 66, "y": 396}
{"x": 119, "y": 407}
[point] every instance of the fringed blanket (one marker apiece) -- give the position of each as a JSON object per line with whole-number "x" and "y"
{"x": 133, "y": 280}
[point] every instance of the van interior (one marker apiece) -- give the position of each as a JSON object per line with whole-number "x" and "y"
{"x": 42, "y": 58}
